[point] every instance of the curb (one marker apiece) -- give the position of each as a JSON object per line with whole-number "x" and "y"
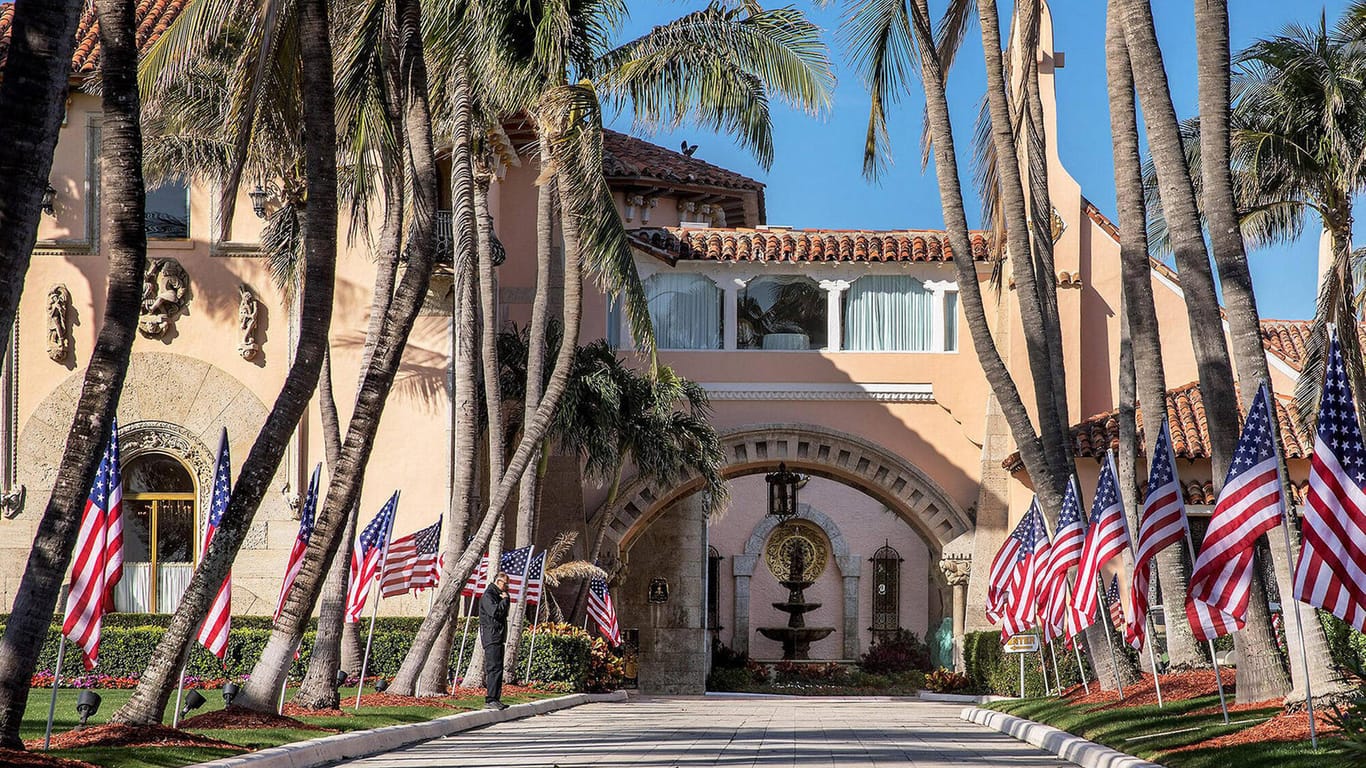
{"x": 1061, "y": 743}
{"x": 348, "y": 746}
{"x": 951, "y": 698}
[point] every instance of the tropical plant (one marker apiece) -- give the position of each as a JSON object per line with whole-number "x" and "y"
{"x": 124, "y": 242}
{"x": 32, "y": 105}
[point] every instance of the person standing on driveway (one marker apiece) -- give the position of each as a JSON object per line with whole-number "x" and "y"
{"x": 493, "y": 628}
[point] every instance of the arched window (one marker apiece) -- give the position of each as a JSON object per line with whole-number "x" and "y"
{"x": 781, "y": 312}
{"x": 889, "y": 313}
{"x": 713, "y": 589}
{"x": 886, "y": 591}
{"x": 158, "y": 534}
{"x": 685, "y": 309}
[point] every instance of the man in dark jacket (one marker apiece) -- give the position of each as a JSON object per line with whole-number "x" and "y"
{"x": 493, "y": 629}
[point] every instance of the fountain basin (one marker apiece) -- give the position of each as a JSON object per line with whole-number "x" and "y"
{"x": 796, "y": 640}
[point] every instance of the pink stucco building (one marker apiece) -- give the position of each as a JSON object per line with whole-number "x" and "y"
{"x": 837, "y": 352}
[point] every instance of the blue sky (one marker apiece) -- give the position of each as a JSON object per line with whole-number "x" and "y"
{"x": 816, "y": 179}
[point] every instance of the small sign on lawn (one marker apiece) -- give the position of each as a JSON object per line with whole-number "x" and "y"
{"x": 1022, "y": 644}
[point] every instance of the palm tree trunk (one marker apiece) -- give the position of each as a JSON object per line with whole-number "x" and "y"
{"x": 458, "y": 570}
{"x": 1226, "y": 240}
{"x": 1052, "y": 424}
{"x": 124, "y": 241}
{"x": 372, "y": 396}
{"x": 529, "y": 492}
{"x": 32, "y": 104}
{"x": 320, "y": 247}
{"x": 1140, "y": 313}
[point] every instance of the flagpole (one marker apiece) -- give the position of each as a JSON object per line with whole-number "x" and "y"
{"x": 1081, "y": 670}
{"x": 374, "y": 609}
{"x": 526, "y": 588}
{"x": 1289, "y": 551}
{"x": 464, "y": 636}
{"x": 179, "y": 691}
{"x": 1110, "y": 641}
{"x": 1152, "y": 659}
{"x": 1057, "y": 676}
{"x": 1213, "y": 654}
{"x": 56, "y": 682}
{"x": 531, "y": 652}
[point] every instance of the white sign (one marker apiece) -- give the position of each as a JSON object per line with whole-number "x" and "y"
{"x": 1022, "y": 644}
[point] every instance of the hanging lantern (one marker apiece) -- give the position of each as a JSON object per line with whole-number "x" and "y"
{"x": 782, "y": 493}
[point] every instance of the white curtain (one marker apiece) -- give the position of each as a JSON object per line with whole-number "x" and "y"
{"x": 133, "y": 591}
{"x": 172, "y": 581}
{"x": 888, "y": 313}
{"x": 686, "y": 311}
{"x": 951, "y": 321}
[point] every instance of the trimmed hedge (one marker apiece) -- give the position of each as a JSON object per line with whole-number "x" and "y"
{"x": 994, "y": 671}
{"x": 562, "y": 651}
{"x": 1346, "y": 645}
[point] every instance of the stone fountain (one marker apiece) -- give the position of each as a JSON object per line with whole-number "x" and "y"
{"x": 796, "y": 637}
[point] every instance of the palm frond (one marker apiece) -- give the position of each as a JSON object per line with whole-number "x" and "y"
{"x": 878, "y": 36}
{"x": 559, "y": 548}
{"x": 574, "y": 569}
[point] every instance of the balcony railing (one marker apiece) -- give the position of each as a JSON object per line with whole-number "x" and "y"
{"x": 445, "y": 237}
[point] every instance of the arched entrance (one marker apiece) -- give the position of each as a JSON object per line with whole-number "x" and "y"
{"x": 158, "y": 533}
{"x": 661, "y": 534}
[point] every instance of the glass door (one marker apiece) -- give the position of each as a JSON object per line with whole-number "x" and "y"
{"x": 158, "y": 535}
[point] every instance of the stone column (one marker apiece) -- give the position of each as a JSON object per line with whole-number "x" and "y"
{"x": 673, "y": 635}
{"x": 834, "y": 318}
{"x": 850, "y": 566}
{"x": 957, "y": 572}
{"x": 742, "y": 567}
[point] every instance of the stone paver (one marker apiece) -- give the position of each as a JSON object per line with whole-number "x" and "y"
{"x": 736, "y": 732}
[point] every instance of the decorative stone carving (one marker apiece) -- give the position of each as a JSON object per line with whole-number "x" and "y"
{"x": 248, "y": 309}
{"x": 58, "y": 323}
{"x": 797, "y": 536}
{"x": 12, "y": 503}
{"x": 165, "y": 292}
{"x": 1056, "y": 225}
{"x": 293, "y": 501}
{"x": 956, "y": 571}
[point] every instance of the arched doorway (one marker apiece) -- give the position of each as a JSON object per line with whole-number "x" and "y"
{"x": 159, "y": 528}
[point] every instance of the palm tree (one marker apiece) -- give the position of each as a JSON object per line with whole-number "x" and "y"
{"x": 320, "y": 231}
{"x": 1140, "y": 314}
{"x": 717, "y": 66}
{"x": 124, "y": 241}
{"x": 1264, "y": 677}
{"x": 32, "y": 102}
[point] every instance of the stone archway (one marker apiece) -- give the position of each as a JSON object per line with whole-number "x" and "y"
{"x": 901, "y": 486}
{"x": 743, "y": 566}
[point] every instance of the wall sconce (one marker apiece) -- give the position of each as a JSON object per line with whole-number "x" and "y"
{"x": 49, "y": 201}
{"x": 258, "y": 201}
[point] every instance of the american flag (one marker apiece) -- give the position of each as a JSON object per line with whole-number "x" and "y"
{"x": 1163, "y": 524}
{"x": 1116, "y": 607}
{"x": 1068, "y": 539}
{"x": 535, "y": 578}
{"x": 99, "y": 556}
{"x": 414, "y": 562}
{"x": 474, "y": 585}
{"x": 1026, "y": 581}
{"x": 601, "y": 609}
{"x": 367, "y": 559}
{"x": 1249, "y": 505}
{"x": 296, "y": 555}
{"x": 1332, "y": 569}
{"x": 1108, "y": 536}
{"x": 1002, "y": 566}
{"x": 214, "y": 634}
{"x": 515, "y": 564}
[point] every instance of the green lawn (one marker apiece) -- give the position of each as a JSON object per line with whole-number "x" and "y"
{"x": 1134, "y": 730}
{"x": 255, "y": 738}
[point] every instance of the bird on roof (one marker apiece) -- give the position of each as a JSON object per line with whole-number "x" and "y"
{"x": 688, "y": 149}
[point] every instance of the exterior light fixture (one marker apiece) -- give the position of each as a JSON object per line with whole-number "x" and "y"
{"x": 87, "y": 705}
{"x": 230, "y": 691}
{"x": 340, "y": 678}
{"x": 782, "y": 493}
{"x": 258, "y": 201}
{"x": 49, "y": 204}
{"x": 381, "y": 685}
{"x": 193, "y": 700}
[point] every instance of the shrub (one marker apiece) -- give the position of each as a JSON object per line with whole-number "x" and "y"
{"x": 1346, "y": 645}
{"x": 945, "y": 681}
{"x": 606, "y": 670}
{"x": 991, "y": 670}
{"x": 725, "y": 657}
{"x": 792, "y": 672}
{"x": 563, "y": 653}
{"x": 729, "y": 679}
{"x": 900, "y": 651}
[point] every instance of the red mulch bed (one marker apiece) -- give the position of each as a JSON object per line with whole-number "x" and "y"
{"x": 120, "y": 735}
{"x": 294, "y": 710}
{"x": 1235, "y": 708}
{"x": 237, "y": 717}
{"x": 393, "y": 700}
{"x": 1279, "y": 728}
{"x": 1176, "y": 687}
{"x": 13, "y": 758}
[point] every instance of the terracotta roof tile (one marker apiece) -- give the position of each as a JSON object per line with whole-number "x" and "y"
{"x": 154, "y": 17}
{"x": 1190, "y": 430}
{"x": 800, "y": 245}
{"x": 1287, "y": 339}
{"x": 628, "y": 157}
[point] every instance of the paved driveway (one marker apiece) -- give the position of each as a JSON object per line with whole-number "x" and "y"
{"x": 728, "y": 731}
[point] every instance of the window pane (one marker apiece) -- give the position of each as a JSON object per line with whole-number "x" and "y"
{"x": 782, "y": 313}
{"x": 137, "y": 531}
{"x": 168, "y": 211}
{"x": 685, "y": 310}
{"x": 175, "y": 531}
{"x": 156, "y": 473}
{"x": 951, "y": 321}
{"x": 888, "y": 313}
